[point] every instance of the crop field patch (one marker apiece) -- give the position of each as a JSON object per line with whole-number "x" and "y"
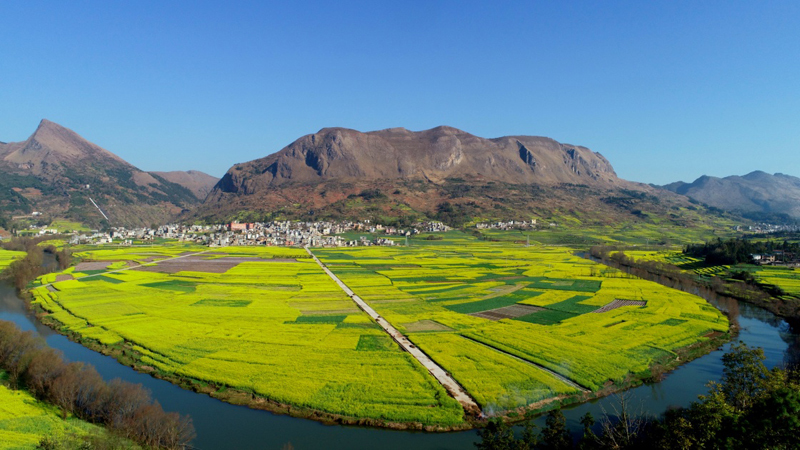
{"x": 425, "y": 325}
{"x": 619, "y": 303}
{"x": 222, "y": 302}
{"x": 95, "y": 278}
{"x": 198, "y": 263}
{"x": 373, "y": 343}
{"x": 84, "y": 267}
{"x": 301, "y": 341}
{"x": 319, "y": 319}
{"x": 172, "y": 285}
{"x": 493, "y": 303}
{"x": 546, "y": 317}
{"x": 508, "y": 312}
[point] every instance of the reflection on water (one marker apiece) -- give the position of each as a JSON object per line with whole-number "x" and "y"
{"x": 221, "y": 425}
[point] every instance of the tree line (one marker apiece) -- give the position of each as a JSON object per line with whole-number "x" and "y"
{"x": 24, "y": 270}
{"x": 76, "y": 388}
{"x": 751, "y": 407}
{"x": 736, "y": 251}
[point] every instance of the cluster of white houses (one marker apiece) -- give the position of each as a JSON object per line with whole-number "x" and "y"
{"x": 283, "y": 233}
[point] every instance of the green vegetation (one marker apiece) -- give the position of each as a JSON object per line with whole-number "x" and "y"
{"x": 9, "y": 256}
{"x": 25, "y": 422}
{"x": 751, "y": 407}
{"x": 450, "y": 284}
{"x": 279, "y": 330}
{"x": 515, "y": 326}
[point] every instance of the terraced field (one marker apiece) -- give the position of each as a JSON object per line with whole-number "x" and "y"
{"x": 515, "y": 326}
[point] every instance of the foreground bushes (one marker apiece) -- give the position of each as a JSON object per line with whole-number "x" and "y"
{"x": 751, "y": 407}
{"x": 78, "y": 389}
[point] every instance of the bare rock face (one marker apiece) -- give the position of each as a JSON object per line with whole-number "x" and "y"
{"x": 434, "y": 155}
{"x": 441, "y": 172}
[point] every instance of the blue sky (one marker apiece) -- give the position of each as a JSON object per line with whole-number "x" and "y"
{"x": 665, "y": 90}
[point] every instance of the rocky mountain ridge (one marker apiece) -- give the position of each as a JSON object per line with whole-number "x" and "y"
{"x": 396, "y": 174}
{"x": 58, "y": 172}
{"x": 755, "y": 193}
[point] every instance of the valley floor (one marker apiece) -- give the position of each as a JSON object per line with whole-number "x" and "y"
{"x": 516, "y": 327}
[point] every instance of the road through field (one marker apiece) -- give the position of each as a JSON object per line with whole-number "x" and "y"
{"x": 440, "y": 374}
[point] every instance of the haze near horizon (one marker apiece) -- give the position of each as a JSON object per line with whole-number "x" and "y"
{"x": 665, "y": 91}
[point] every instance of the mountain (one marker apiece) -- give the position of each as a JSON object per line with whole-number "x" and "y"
{"x": 441, "y": 173}
{"x": 755, "y": 193}
{"x": 59, "y": 173}
{"x": 198, "y": 182}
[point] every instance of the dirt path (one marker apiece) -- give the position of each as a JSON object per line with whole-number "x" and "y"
{"x": 440, "y": 374}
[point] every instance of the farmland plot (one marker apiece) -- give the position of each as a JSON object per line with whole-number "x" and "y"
{"x": 278, "y": 329}
{"x": 545, "y": 307}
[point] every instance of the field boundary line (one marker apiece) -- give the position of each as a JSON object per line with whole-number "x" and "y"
{"x": 155, "y": 263}
{"x": 444, "y": 378}
{"x": 557, "y": 375}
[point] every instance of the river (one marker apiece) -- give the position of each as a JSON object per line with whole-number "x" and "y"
{"x": 223, "y": 426}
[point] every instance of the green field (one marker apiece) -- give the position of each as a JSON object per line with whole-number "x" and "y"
{"x": 268, "y": 321}
{"x": 24, "y": 421}
{"x": 9, "y": 256}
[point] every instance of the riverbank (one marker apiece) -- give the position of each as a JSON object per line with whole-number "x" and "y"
{"x": 223, "y": 425}
{"x": 673, "y": 277}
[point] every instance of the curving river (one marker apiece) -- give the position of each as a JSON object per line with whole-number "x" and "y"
{"x": 220, "y": 425}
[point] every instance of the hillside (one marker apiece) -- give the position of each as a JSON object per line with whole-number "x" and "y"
{"x": 443, "y": 173}
{"x": 198, "y": 182}
{"x": 56, "y": 172}
{"x": 756, "y": 193}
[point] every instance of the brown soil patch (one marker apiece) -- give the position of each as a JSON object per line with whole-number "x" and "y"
{"x": 92, "y": 265}
{"x": 617, "y": 303}
{"x": 425, "y": 325}
{"x": 64, "y": 277}
{"x": 197, "y": 264}
{"x": 713, "y": 334}
{"x": 508, "y": 312}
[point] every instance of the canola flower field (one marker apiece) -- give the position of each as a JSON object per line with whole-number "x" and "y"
{"x": 515, "y": 326}
{"x": 9, "y": 256}
{"x": 24, "y": 421}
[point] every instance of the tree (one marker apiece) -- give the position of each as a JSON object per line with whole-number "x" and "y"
{"x": 497, "y": 435}
{"x": 555, "y": 435}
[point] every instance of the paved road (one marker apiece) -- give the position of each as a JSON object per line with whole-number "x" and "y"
{"x": 440, "y": 374}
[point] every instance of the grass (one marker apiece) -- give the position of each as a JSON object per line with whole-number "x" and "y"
{"x": 25, "y": 421}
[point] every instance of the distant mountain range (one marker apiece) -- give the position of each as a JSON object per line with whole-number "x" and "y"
{"x": 392, "y": 176}
{"x": 444, "y": 173}
{"x": 57, "y": 172}
{"x": 757, "y": 193}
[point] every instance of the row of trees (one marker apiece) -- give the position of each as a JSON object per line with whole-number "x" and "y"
{"x": 25, "y": 270}
{"x": 78, "y": 389}
{"x": 736, "y": 251}
{"x": 751, "y": 407}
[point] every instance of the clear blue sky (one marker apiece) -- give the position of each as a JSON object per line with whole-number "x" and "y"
{"x": 665, "y": 90}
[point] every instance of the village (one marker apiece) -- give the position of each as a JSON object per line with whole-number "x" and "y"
{"x": 277, "y": 233}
